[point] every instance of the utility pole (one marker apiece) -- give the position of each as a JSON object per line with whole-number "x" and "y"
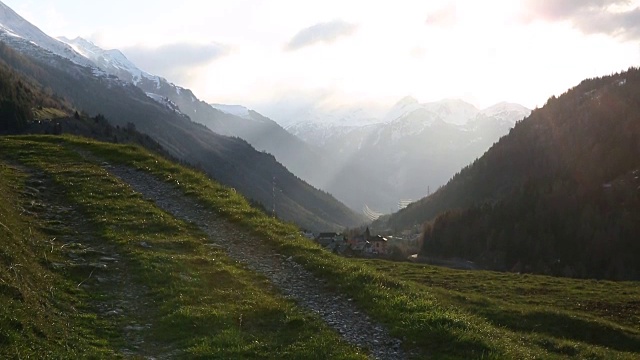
{"x": 273, "y": 193}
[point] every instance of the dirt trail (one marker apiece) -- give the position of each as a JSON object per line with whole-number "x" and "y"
{"x": 290, "y": 277}
{"x": 103, "y": 270}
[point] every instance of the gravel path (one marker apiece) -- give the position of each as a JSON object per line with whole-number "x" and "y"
{"x": 105, "y": 272}
{"x": 290, "y": 277}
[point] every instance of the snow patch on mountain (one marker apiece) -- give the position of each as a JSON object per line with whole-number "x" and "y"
{"x": 402, "y": 108}
{"x": 112, "y": 61}
{"x": 453, "y": 111}
{"x": 14, "y": 28}
{"x": 236, "y": 110}
{"x": 406, "y": 118}
{"x": 413, "y": 123}
{"x": 164, "y": 101}
{"x": 506, "y": 113}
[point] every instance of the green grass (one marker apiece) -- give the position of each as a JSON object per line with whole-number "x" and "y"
{"x": 438, "y": 313}
{"x": 430, "y": 320}
{"x": 48, "y": 113}
{"x": 201, "y": 303}
{"x": 40, "y": 309}
{"x": 598, "y": 313}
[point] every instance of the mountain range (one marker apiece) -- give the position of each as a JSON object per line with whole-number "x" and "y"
{"x": 91, "y": 81}
{"x": 379, "y": 164}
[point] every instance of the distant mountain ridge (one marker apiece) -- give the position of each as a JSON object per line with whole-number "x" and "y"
{"x": 113, "y": 61}
{"x": 452, "y": 111}
{"x": 16, "y": 30}
{"x": 237, "y": 110}
{"x": 413, "y": 149}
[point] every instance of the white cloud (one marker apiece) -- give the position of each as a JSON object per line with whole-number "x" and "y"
{"x": 444, "y": 16}
{"x": 326, "y": 32}
{"x": 620, "y": 18}
{"x": 175, "y": 61}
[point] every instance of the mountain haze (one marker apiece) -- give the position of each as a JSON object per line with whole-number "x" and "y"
{"x": 413, "y": 149}
{"x": 261, "y": 132}
{"x": 343, "y": 146}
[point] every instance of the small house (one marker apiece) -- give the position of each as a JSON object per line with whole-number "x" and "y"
{"x": 327, "y": 238}
{"x": 378, "y": 245}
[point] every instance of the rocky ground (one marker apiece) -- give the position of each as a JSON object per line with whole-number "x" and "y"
{"x": 290, "y": 277}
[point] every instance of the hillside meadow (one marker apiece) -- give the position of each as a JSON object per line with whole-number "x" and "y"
{"x": 438, "y": 313}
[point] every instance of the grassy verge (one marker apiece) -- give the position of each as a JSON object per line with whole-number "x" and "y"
{"x": 603, "y": 314}
{"x": 202, "y": 303}
{"x": 433, "y": 322}
{"x": 41, "y": 313}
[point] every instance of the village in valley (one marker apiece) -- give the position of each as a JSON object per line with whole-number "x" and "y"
{"x": 358, "y": 243}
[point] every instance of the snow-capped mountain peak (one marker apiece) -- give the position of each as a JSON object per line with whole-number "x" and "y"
{"x": 20, "y": 32}
{"x": 453, "y": 111}
{"x": 503, "y": 107}
{"x": 406, "y": 101}
{"x": 404, "y": 107}
{"x": 112, "y": 61}
{"x": 506, "y": 112}
{"x": 83, "y": 47}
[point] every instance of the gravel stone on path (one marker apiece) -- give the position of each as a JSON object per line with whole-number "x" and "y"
{"x": 291, "y": 278}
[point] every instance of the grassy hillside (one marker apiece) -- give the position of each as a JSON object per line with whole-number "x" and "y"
{"x": 40, "y": 308}
{"x": 444, "y": 314}
{"x": 76, "y": 242}
{"x": 559, "y": 314}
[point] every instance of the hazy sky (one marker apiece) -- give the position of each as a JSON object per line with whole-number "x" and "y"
{"x": 251, "y": 52}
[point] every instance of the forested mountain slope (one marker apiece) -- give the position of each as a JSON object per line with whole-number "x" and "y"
{"x": 560, "y": 194}
{"x": 22, "y": 101}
